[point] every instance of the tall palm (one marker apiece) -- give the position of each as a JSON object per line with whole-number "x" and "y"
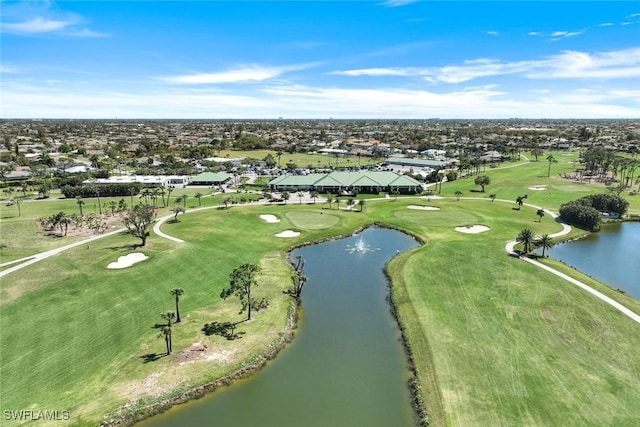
{"x": 458, "y": 194}
{"x": 540, "y": 213}
{"x": 361, "y": 205}
{"x": 545, "y": 242}
{"x": 526, "y": 237}
{"x": 550, "y": 159}
{"x": 165, "y": 332}
{"x": 80, "y": 202}
{"x": 199, "y": 197}
{"x": 177, "y": 292}
{"x": 314, "y": 195}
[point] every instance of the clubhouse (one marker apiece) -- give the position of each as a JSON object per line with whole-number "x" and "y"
{"x": 371, "y": 182}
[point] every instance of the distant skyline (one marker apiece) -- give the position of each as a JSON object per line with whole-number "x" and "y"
{"x": 396, "y": 59}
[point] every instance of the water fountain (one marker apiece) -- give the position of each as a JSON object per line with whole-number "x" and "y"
{"x": 360, "y": 247}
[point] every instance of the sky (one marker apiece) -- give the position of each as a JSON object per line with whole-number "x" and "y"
{"x": 395, "y": 59}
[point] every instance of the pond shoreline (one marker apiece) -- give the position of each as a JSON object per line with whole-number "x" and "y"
{"x": 132, "y": 415}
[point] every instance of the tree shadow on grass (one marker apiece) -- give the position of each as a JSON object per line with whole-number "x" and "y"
{"x": 223, "y": 329}
{"x": 151, "y": 357}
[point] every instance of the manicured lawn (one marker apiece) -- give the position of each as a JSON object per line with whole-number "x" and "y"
{"x": 496, "y": 341}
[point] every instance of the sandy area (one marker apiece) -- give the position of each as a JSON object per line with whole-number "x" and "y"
{"x": 288, "y": 233}
{"x": 127, "y": 260}
{"x": 423, "y": 208}
{"x": 473, "y": 229}
{"x": 270, "y": 218}
{"x": 538, "y": 187}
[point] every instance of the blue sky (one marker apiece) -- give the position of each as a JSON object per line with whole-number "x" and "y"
{"x": 302, "y": 59}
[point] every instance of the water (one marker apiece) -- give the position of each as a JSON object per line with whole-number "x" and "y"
{"x": 612, "y": 256}
{"x": 346, "y": 365}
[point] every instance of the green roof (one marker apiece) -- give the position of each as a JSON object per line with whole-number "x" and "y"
{"x": 347, "y": 179}
{"x": 211, "y": 177}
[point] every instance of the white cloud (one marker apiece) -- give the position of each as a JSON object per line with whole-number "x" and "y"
{"x": 9, "y": 70}
{"x": 297, "y": 101}
{"x": 559, "y": 35}
{"x": 397, "y": 3}
{"x": 566, "y": 65}
{"x": 31, "y": 18}
{"x": 491, "y": 33}
{"x": 534, "y": 33}
{"x": 606, "y": 24}
{"x": 35, "y": 25}
{"x": 249, "y": 73}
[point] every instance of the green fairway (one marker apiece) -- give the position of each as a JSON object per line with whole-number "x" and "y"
{"x": 312, "y": 220}
{"x": 496, "y": 341}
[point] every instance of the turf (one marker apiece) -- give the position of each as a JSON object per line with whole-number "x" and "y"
{"x": 497, "y": 342}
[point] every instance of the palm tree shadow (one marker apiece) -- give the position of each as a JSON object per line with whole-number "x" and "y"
{"x": 223, "y": 329}
{"x": 151, "y": 357}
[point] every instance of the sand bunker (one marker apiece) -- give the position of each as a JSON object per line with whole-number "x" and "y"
{"x": 288, "y": 233}
{"x": 424, "y": 208}
{"x": 127, "y": 260}
{"x": 538, "y": 187}
{"x": 270, "y": 218}
{"x": 473, "y": 229}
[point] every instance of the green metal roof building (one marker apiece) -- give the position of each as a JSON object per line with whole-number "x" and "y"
{"x": 336, "y": 182}
{"x": 210, "y": 178}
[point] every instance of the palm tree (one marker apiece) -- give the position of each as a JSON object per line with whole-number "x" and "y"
{"x": 350, "y": 203}
{"x": 337, "y": 200}
{"x": 361, "y": 205}
{"x": 178, "y": 200}
{"x": 329, "y": 200}
{"x": 550, "y": 159}
{"x": 168, "y": 316}
{"x": 545, "y": 242}
{"x": 199, "y": 197}
{"x": 519, "y": 201}
{"x": 177, "y": 292}
{"x": 314, "y": 195}
{"x": 24, "y": 187}
{"x": 177, "y": 209}
{"x": 113, "y": 205}
{"x": 80, "y": 202}
{"x": 285, "y": 196}
{"x": 169, "y": 191}
{"x": 458, "y": 193}
{"x": 526, "y": 237}
{"x": 184, "y": 200}
{"x": 540, "y": 213}
{"x": 300, "y": 195}
{"x": 165, "y": 332}
{"x": 492, "y": 196}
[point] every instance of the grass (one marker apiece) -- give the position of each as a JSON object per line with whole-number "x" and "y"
{"x": 497, "y": 341}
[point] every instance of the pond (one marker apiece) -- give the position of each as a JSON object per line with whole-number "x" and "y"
{"x": 611, "y": 255}
{"x": 346, "y": 365}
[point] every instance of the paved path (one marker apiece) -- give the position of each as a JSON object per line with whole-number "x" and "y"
{"x": 565, "y": 230}
{"x": 27, "y": 261}
{"x": 24, "y": 262}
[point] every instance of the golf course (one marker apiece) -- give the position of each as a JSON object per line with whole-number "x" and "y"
{"x": 494, "y": 340}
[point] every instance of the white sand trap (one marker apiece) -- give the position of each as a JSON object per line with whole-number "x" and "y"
{"x": 423, "y": 208}
{"x": 270, "y": 218}
{"x": 288, "y": 233}
{"x": 538, "y": 187}
{"x": 475, "y": 229}
{"x": 127, "y": 260}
